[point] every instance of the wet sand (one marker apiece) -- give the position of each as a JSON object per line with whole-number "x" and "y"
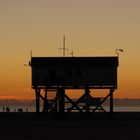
{"x": 28, "y": 126}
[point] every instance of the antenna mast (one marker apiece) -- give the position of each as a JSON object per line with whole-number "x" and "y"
{"x": 64, "y": 46}
{"x": 30, "y": 53}
{"x": 71, "y": 53}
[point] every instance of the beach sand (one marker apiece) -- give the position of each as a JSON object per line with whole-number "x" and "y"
{"x": 28, "y": 126}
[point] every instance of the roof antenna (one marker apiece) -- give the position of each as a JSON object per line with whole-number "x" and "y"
{"x": 31, "y": 54}
{"x": 30, "y": 57}
{"x": 72, "y": 53}
{"x": 118, "y": 50}
{"x": 29, "y": 63}
{"x": 64, "y": 46}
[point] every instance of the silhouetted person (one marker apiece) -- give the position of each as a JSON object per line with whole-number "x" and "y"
{"x": 7, "y": 109}
{"x": 3, "y": 108}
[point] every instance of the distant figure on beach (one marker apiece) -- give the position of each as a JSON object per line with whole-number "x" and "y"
{"x": 20, "y": 110}
{"x": 26, "y": 109}
{"x": 3, "y": 108}
{"x": 7, "y": 109}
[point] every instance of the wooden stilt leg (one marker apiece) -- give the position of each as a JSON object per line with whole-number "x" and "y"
{"x": 37, "y": 92}
{"x": 61, "y": 93}
{"x": 45, "y": 107}
{"x": 87, "y": 91}
{"x": 111, "y": 100}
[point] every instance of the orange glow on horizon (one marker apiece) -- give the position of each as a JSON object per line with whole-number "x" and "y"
{"x": 16, "y": 98}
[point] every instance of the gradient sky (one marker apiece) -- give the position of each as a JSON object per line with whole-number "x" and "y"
{"x": 92, "y": 28}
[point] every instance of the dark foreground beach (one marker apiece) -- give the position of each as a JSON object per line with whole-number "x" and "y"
{"x": 28, "y": 126}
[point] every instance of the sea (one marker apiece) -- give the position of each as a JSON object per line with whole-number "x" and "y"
{"x": 120, "y": 105}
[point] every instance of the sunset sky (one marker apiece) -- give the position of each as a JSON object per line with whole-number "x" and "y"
{"x": 92, "y": 28}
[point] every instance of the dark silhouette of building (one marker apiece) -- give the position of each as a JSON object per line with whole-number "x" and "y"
{"x": 85, "y": 73}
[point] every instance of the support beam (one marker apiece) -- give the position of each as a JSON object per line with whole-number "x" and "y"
{"x": 61, "y": 94}
{"x": 87, "y": 98}
{"x": 111, "y": 103}
{"x": 83, "y": 104}
{"x": 45, "y": 107}
{"x": 37, "y": 92}
{"x": 111, "y": 100}
{"x": 74, "y": 104}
